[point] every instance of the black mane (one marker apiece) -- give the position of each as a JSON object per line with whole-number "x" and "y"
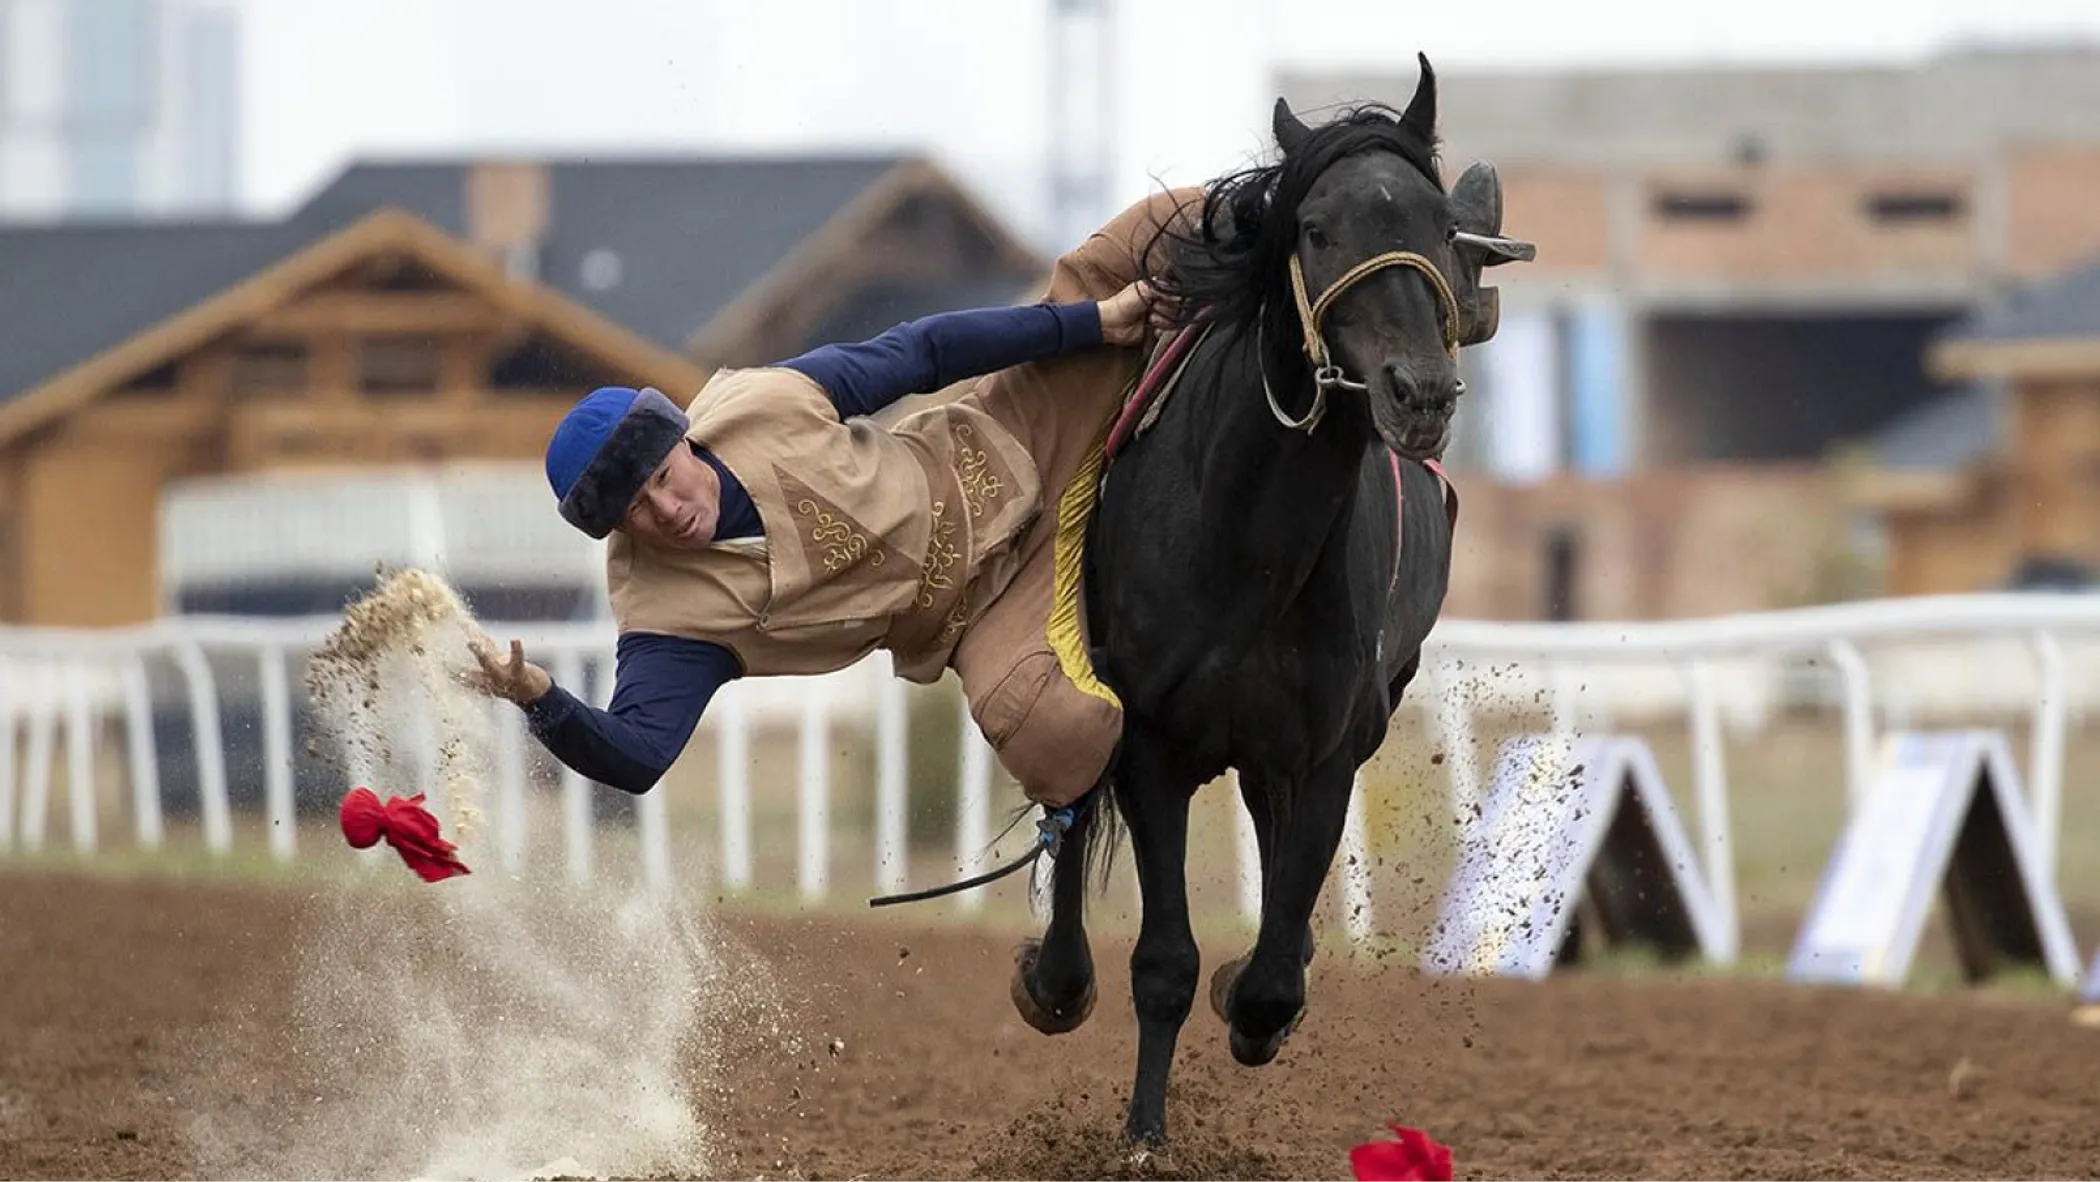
{"x": 1225, "y": 264}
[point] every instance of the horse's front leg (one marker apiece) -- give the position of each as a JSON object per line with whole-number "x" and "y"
{"x": 1053, "y": 983}
{"x": 1255, "y": 792}
{"x": 1266, "y": 995}
{"x": 1154, "y": 800}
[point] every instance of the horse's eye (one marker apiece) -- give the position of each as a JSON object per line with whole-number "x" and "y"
{"x": 1317, "y": 237}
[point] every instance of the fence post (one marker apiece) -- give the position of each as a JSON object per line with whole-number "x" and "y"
{"x": 511, "y": 795}
{"x": 276, "y": 706}
{"x": 1451, "y": 722}
{"x": 36, "y": 761}
{"x": 733, "y": 771}
{"x": 892, "y": 821}
{"x": 144, "y": 750}
{"x": 1710, "y": 783}
{"x": 973, "y": 824}
{"x": 1859, "y": 719}
{"x": 2051, "y": 712}
{"x": 1356, "y": 868}
{"x": 575, "y": 790}
{"x": 813, "y": 796}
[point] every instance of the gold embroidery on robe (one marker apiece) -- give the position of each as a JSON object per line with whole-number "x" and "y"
{"x": 833, "y": 541}
{"x": 941, "y": 556}
{"x": 973, "y": 468}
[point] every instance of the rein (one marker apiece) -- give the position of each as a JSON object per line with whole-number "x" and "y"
{"x": 1050, "y": 830}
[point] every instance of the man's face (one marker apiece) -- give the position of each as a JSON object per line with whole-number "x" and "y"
{"x": 679, "y": 505}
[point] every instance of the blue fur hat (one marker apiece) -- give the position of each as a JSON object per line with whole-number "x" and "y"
{"x": 604, "y": 451}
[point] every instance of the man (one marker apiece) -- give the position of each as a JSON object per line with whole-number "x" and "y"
{"x": 770, "y": 528}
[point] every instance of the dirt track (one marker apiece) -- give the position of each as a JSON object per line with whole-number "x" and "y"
{"x": 127, "y": 1011}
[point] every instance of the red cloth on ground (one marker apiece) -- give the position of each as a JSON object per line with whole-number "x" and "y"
{"x": 1412, "y": 1158}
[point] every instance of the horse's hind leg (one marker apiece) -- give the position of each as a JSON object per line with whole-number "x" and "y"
{"x": 1053, "y": 984}
{"x": 1163, "y": 966}
{"x": 1268, "y": 993}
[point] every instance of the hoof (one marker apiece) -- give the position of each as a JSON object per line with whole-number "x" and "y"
{"x": 1222, "y": 980}
{"x": 1144, "y": 1144}
{"x": 1045, "y": 1018}
{"x": 1249, "y": 1053}
{"x": 1145, "y": 1158}
{"x": 1246, "y": 1051}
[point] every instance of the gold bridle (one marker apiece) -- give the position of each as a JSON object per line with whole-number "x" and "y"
{"x": 1312, "y": 318}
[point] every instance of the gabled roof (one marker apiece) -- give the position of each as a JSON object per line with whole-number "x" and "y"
{"x": 701, "y": 247}
{"x": 2051, "y": 327}
{"x": 70, "y": 292}
{"x": 689, "y": 237}
{"x": 1953, "y": 430}
{"x": 273, "y": 271}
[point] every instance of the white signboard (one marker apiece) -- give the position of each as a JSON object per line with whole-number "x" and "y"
{"x": 1944, "y": 815}
{"x": 1562, "y": 820}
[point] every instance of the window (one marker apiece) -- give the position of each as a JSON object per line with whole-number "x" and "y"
{"x": 1912, "y": 207}
{"x": 398, "y": 365}
{"x": 540, "y": 364}
{"x": 158, "y": 382}
{"x": 1691, "y": 206}
{"x": 269, "y": 369}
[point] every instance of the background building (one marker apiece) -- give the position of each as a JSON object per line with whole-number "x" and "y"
{"x": 118, "y": 108}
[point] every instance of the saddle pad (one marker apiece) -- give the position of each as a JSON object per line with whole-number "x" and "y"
{"x": 1141, "y": 409}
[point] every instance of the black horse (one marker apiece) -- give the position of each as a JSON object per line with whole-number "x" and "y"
{"x": 1257, "y": 593}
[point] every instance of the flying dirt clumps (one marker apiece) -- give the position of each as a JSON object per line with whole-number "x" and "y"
{"x": 493, "y": 1021}
{"x": 387, "y": 686}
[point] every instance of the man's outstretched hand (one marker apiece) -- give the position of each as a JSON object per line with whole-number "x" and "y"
{"x": 516, "y": 679}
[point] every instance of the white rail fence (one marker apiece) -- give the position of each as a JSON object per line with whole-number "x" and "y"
{"x": 1877, "y": 663}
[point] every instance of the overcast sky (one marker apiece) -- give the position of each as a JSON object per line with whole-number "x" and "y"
{"x": 966, "y": 80}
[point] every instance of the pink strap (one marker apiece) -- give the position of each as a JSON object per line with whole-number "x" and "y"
{"x": 1399, "y": 518}
{"x": 1436, "y": 469}
{"x": 1163, "y": 363}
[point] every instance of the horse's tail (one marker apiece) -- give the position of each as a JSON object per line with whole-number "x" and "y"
{"x": 1105, "y": 833}
{"x": 1100, "y": 828}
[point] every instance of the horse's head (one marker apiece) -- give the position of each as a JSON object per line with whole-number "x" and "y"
{"x": 1385, "y": 264}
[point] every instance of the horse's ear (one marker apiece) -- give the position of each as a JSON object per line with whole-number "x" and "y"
{"x": 1291, "y": 131}
{"x": 1421, "y": 109}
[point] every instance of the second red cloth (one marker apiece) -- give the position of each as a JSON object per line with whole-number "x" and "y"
{"x": 1415, "y": 1157}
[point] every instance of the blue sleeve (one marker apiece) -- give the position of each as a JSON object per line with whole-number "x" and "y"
{"x": 926, "y": 354}
{"x": 661, "y": 686}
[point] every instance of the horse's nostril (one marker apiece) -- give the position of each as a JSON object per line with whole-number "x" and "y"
{"x": 1401, "y": 385}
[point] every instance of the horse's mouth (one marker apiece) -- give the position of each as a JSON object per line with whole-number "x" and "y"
{"x": 1424, "y": 437}
{"x": 1421, "y": 430}
{"x": 1416, "y": 427}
